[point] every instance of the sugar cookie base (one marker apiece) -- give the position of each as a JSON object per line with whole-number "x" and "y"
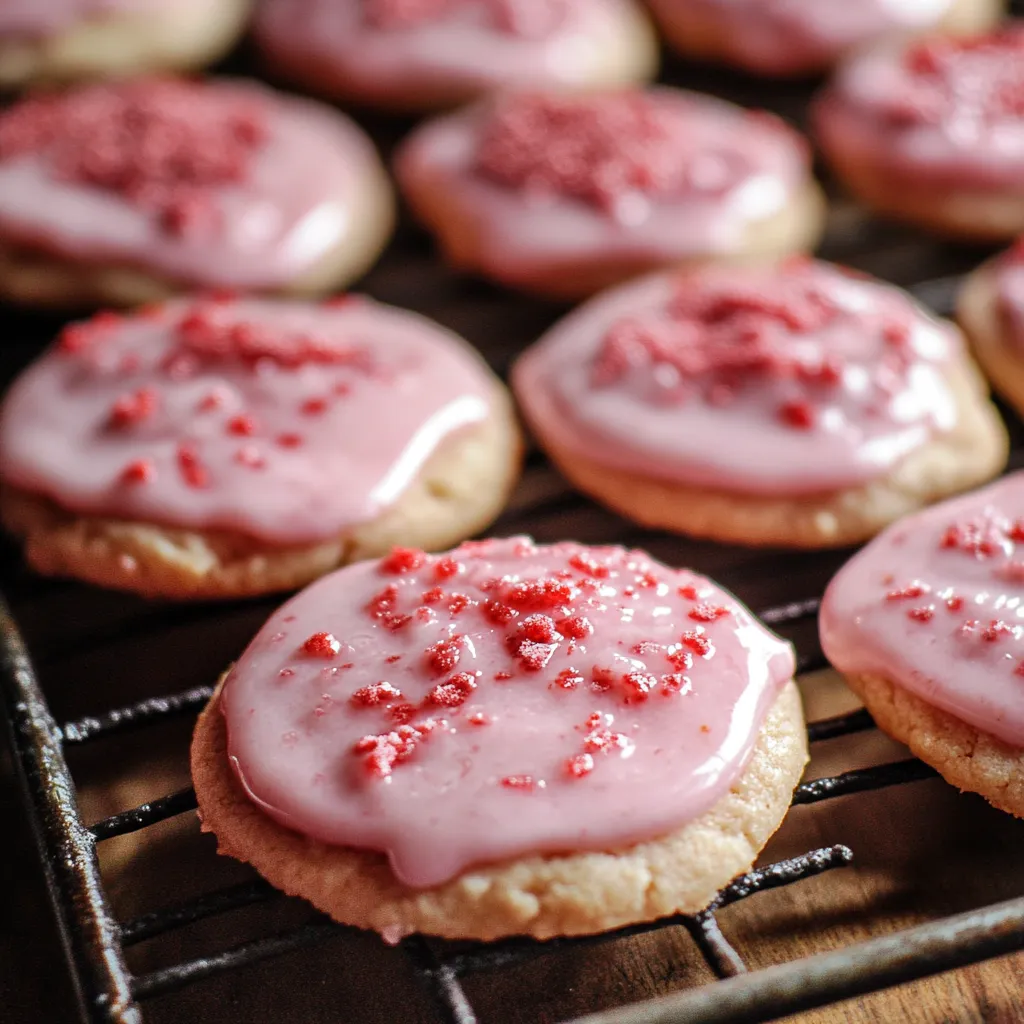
{"x": 972, "y": 760}
{"x": 633, "y": 60}
{"x": 969, "y": 455}
{"x": 470, "y": 244}
{"x": 970, "y": 214}
{"x": 33, "y": 277}
{"x": 542, "y": 896}
{"x": 978, "y": 314}
{"x": 461, "y": 490}
{"x": 176, "y": 37}
{"x": 706, "y": 36}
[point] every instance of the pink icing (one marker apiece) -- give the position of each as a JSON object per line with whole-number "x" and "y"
{"x": 211, "y": 184}
{"x": 951, "y": 110}
{"x": 500, "y": 701}
{"x": 712, "y": 169}
{"x": 788, "y": 36}
{"x": 466, "y": 46}
{"x": 283, "y": 421}
{"x": 789, "y": 379}
{"x": 42, "y": 18}
{"x": 935, "y": 604}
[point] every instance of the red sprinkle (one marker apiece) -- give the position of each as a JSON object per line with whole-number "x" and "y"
{"x": 580, "y": 765}
{"x": 923, "y": 614}
{"x": 523, "y": 782}
{"x": 799, "y": 414}
{"x": 243, "y": 426}
{"x": 322, "y": 645}
{"x": 192, "y": 470}
{"x": 447, "y": 567}
{"x": 568, "y": 679}
{"x": 402, "y": 560}
{"x": 140, "y": 471}
{"x": 705, "y": 612}
{"x": 697, "y": 642}
{"x": 133, "y": 408}
{"x": 454, "y": 692}
{"x": 314, "y": 406}
{"x": 575, "y": 627}
{"x": 374, "y": 694}
{"x": 443, "y": 656}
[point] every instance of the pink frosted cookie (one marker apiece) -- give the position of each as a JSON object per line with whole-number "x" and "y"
{"x": 991, "y": 312}
{"x": 505, "y": 739}
{"x": 802, "y": 37}
{"x": 122, "y": 193}
{"x": 565, "y": 194}
{"x": 933, "y": 132}
{"x": 927, "y": 625}
{"x": 795, "y": 404}
{"x": 47, "y": 40}
{"x": 216, "y": 447}
{"x": 423, "y": 54}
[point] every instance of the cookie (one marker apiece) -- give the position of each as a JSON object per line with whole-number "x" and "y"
{"x": 508, "y": 739}
{"x": 415, "y": 57}
{"x": 220, "y": 448}
{"x": 794, "y": 405}
{"x": 46, "y": 41}
{"x": 919, "y": 132}
{"x": 990, "y": 309}
{"x": 927, "y": 626}
{"x": 564, "y": 194}
{"x": 128, "y": 192}
{"x": 807, "y": 37}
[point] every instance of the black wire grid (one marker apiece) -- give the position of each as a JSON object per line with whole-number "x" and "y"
{"x": 108, "y": 992}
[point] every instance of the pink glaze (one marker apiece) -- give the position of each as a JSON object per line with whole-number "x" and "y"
{"x": 286, "y": 422}
{"x": 1009, "y": 287}
{"x": 945, "y": 112}
{"x": 42, "y": 18}
{"x": 457, "y": 47}
{"x": 712, "y": 170}
{"x": 501, "y": 701}
{"x": 782, "y": 380}
{"x": 791, "y": 36}
{"x": 264, "y": 186}
{"x": 936, "y": 603}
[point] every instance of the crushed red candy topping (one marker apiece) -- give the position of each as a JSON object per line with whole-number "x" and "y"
{"x": 705, "y": 612}
{"x": 979, "y": 77}
{"x": 531, "y": 18}
{"x": 165, "y": 146}
{"x": 216, "y": 333}
{"x": 603, "y": 150}
{"x": 322, "y": 645}
{"x": 923, "y": 614}
{"x": 717, "y": 339}
{"x": 983, "y": 536}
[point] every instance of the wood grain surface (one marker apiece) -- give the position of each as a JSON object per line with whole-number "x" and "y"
{"x": 921, "y": 850}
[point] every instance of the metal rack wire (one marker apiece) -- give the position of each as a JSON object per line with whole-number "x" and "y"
{"x": 109, "y": 992}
